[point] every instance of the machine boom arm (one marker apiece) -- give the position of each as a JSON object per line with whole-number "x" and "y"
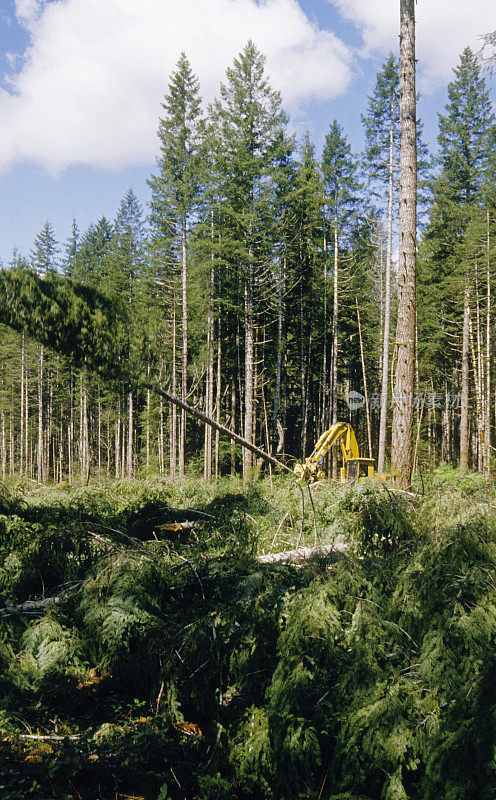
{"x": 340, "y": 432}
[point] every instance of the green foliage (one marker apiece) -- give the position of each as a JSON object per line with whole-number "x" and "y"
{"x": 382, "y": 523}
{"x": 176, "y": 188}
{"x": 51, "y": 647}
{"x": 188, "y": 669}
{"x": 44, "y": 254}
{"x": 71, "y": 318}
{"x": 341, "y": 184}
{"x": 39, "y": 557}
{"x": 179, "y": 665}
{"x": 466, "y": 131}
{"x": 381, "y": 124}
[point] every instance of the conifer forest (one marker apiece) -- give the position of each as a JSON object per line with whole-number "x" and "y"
{"x": 182, "y": 617}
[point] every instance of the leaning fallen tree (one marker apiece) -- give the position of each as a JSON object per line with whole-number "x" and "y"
{"x": 90, "y": 329}
{"x": 227, "y": 432}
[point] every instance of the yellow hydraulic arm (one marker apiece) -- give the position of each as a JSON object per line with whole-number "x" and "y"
{"x": 355, "y": 468}
{"x": 340, "y": 431}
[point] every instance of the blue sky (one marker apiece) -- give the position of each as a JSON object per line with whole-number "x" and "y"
{"x": 81, "y": 83}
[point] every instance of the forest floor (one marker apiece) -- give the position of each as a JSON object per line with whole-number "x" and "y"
{"x": 174, "y": 664}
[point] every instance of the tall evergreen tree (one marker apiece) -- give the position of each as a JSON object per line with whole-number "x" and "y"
{"x": 71, "y": 250}
{"x": 380, "y": 160}
{"x": 341, "y": 187}
{"x": 464, "y": 133}
{"x": 249, "y": 141}
{"x": 44, "y": 261}
{"x": 44, "y": 255}
{"x": 124, "y": 261}
{"x": 86, "y": 254}
{"x": 302, "y": 313}
{"x": 125, "y": 266}
{"x": 465, "y": 137}
{"x": 176, "y": 188}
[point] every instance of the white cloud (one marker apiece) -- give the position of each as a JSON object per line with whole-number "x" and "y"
{"x": 444, "y": 29}
{"x": 27, "y": 11}
{"x": 93, "y": 77}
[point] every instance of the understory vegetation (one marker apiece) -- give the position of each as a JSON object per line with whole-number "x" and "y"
{"x": 177, "y": 664}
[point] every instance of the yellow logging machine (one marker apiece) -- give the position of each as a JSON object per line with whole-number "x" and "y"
{"x": 354, "y": 468}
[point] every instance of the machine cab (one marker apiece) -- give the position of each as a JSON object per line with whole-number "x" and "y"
{"x": 357, "y": 469}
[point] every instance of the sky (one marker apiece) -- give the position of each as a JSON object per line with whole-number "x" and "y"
{"x": 81, "y": 85}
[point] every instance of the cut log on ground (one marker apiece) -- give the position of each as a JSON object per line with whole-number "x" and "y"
{"x": 302, "y": 554}
{"x": 298, "y": 556}
{"x": 35, "y": 606}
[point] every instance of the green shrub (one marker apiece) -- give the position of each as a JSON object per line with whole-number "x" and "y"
{"x": 189, "y": 669}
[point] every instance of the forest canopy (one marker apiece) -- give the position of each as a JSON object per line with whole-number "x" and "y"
{"x": 260, "y": 286}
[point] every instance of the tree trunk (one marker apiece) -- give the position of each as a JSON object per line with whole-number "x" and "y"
{"x": 84, "y": 431}
{"x": 445, "y": 438}
{"x": 209, "y": 387}
{"x": 108, "y": 447}
{"x": 249, "y": 369}
{"x": 161, "y": 439}
{"x": 335, "y": 311}
{"x": 61, "y": 443}
{"x": 233, "y": 425}
{"x": 4, "y": 450}
{"x": 21, "y": 448}
{"x": 39, "y": 451}
{"x": 334, "y": 351}
{"x": 487, "y": 420}
{"x": 99, "y": 432}
{"x": 324, "y": 404}
{"x": 184, "y": 349}
{"x": 479, "y": 377}
{"x": 464, "y": 429}
{"x": 70, "y": 428}
{"x": 218, "y": 396}
{"x": 173, "y": 415}
{"x": 123, "y": 443}
{"x": 381, "y": 457}
{"x": 147, "y": 431}
{"x": 49, "y": 441}
{"x": 364, "y": 373}
{"x": 130, "y": 432}
{"x": 118, "y": 439}
{"x": 402, "y": 439}
{"x": 12, "y": 443}
{"x": 479, "y": 426}
{"x": 303, "y": 376}
{"x": 230, "y": 434}
{"x": 26, "y": 414}
{"x": 277, "y": 390}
